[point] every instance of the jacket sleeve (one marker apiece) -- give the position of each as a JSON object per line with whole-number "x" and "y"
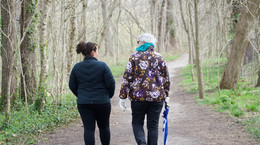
{"x": 73, "y": 84}
{"x": 166, "y": 77}
{"x": 109, "y": 81}
{"x": 127, "y": 79}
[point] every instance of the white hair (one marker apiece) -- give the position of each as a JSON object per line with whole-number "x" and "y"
{"x": 147, "y": 37}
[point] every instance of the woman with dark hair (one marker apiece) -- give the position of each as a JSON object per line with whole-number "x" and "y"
{"x": 92, "y": 82}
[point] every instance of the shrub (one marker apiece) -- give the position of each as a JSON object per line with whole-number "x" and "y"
{"x": 236, "y": 111}
{"x": 252, "y": 107}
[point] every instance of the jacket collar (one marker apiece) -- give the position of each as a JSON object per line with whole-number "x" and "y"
{"x": 89, "y": 58}
{"x": 151, "y": 48}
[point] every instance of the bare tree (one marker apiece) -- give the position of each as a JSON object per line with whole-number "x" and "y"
{"x": 71, "y": 39}
{"x": 197, "y": 50}
{"x": 116, "y": 54}
{"x": 135, "y": 20}
{"x": 152, "y": 14}
{"x": 54, "y": 37}
{"x": 160, "y": 27}
{"x": 106, "y": 27}
{"x": 8, "y": 31}
{"x": 240, "y": 44}
{"x": 258, "y": 48}
{"x": 84, "y": 18}
{"x": 258, "y": 81}
{"x": 188, "y": 31}
{"x": 43, "y": 50}
{"x": 27, "y": 50}
{"x": 63, "y": 50}
{"x": 169, "y": 36}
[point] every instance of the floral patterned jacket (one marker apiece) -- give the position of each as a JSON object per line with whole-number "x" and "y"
{"x": 146, "y": 77}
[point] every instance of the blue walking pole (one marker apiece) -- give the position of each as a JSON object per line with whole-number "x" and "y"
{"x": 165, "y": 123}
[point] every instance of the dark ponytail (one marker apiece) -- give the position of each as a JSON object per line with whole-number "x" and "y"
{"x": 86, "y": 48}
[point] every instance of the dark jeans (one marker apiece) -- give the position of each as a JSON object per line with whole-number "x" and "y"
{"x": 90, "y": 113}
{"x": 152, "y": 110}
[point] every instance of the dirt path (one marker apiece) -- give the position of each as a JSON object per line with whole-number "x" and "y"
{"x": 189, "y": 123}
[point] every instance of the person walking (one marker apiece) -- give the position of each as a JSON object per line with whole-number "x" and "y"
{"x": 92, "y": 82}
{"x": 146, "y": 83}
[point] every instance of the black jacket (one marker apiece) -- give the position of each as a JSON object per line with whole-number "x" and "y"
{"x": 92, "y": 82}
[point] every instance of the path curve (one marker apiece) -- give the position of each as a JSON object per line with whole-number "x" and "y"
{"x": 189, "y": 123}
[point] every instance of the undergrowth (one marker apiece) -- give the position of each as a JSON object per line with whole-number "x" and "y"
{"x": 24, "y": 128}
{"x": 242, "y": 103}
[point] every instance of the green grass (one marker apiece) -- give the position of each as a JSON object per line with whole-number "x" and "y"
{"x": 23, "y": 128}
{"x": 242, "y": 103}
{"x": 170, "y": 57}
{"x": 254, "y": 126}
{"x": 118, "y": 69}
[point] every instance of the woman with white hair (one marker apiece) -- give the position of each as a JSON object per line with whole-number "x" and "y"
{"x": 146, "y": 83}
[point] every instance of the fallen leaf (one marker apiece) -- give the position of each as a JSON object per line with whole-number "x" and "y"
{"x": 7, "y": 139}
{"x": 1, "y": 142}
{"x": 14, "y": 135}
{"x": 40, "y": 131}
{"x": 115, "y": 123}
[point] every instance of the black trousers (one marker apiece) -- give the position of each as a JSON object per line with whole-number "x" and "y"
{"x": 92, "y": 113}
{"x": 152, "y": 110}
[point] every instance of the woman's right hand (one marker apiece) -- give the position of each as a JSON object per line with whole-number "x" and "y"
{"x": 122, "y": 104}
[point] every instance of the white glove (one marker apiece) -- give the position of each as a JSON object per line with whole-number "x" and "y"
{"x": 167, "y": 99}
{"x": 122, "y": 104}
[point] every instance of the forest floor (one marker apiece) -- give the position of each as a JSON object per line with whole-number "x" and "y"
{"x": 189, "y": 123}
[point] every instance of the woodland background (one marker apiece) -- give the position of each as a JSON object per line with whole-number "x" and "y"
{"x": 38, "y": 39}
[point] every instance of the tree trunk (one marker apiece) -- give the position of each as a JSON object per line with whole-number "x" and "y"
{"x": 240, "y": 44}
{"x": 63, "y": 51}
{"x": 54, "y": 31}
{"x": 8, "y": 53}
{"x": 191, "y": 42}
{"x": 168, "y": 23}
{"x": 258, "y": 81}
{"x": 186, "y": 28}
{"x": 170, "y": 39}
{"x": 236, "y": 6}
{"x": 84, "y": 19}
{"x": 105, "y": 33}
{"x": 197, "y": 49}
{"x": 160, "y": 28}
{"x": 27, "y": 50}
{"x": 43, "y": 50}
{"x": 152, "y": 14}
{"x": 117, "y": 33}
{"x": 71, "y": 40}
{"x": 257, "y": 35}
{"x": 106, "y": 26}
